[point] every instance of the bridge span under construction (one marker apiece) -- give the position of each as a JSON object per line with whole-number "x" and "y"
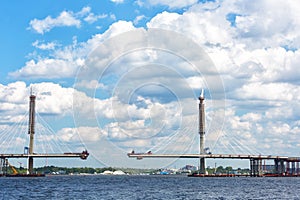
{"x": 283, "y": 165}
{"x": 30, "y": 154}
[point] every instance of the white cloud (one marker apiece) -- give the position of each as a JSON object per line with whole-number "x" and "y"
{"x": 113, "y": 17}
{"x": 268, "y": 28}
{"x": 231, "y": 51}
{"x": 139, "y": 66}
{"x": 44, "y": 46}
{"x": 256, "y": 53}
{"x": 138, "y": 19}
{"x": 85, "y": 134}
{"x": 116, "y": 29}
{"x": 47, "y": 68}
{"x": 149, "y": 84}
{"x": 117, "y": 1}
{"x": 173, "y": 4}
{"x": 91, "y": 18}
{"x": 257, "y": 67}
{"x": 13, "y": 92}
{"x": 251, "y": 117}
{"x": 140, "y": 3}
{"x": 64, "y": 19}
{"x": 196, "y": 82}
{"x": 92, "y": 84}
{"x": 276, "y": 91}
{"x": 84, "y": 11}
{"x": 51, "y": 100}
{"x": 207, "y": 29}
{"x": 163, "y": 19}
{"x": 67, "y": 60}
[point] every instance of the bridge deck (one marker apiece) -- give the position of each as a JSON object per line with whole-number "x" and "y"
{"x": 214, "y": 156}
{"x": 82, "y": 155}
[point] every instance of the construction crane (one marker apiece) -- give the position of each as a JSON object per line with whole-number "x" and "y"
{"x": 20, "y": 164}
{"x": 15, "y": 172}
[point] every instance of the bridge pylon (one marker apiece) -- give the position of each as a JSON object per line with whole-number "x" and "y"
{"x": 202, "y": 131}
{"x": 31, "y": 128}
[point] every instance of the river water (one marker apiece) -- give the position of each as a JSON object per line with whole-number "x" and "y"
{"x": 148, "y": 187}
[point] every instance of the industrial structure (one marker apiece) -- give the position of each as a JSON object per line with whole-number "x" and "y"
{"x": 283, "y": 165}
{"x": 30, "y": 154}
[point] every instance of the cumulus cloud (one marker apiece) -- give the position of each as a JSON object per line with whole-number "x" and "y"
{"x": 117, "y": 1}
{"x": 208, "y": 29}
{"x": 256, "y": 54}
{"x": 52, "y": 101}
{"x": 13, "y": 92}
{"x": 78, "y": 134}
{"x": 91, "y": 18}
{"x": 51, "y": 98}
{"x": 67, "y": 60}
{"x": 268, "y": 27}
{"x": 65, "y": 19}
{"x": 173, "y": 4}
{"x": 138, "y": 19}
{"x": 231, "y": 50}
{"x": 92, "y": 84}
{"x": 44, "y": 46}
{"x": 116, "y": 29}
{"x": 146, "y": 96}
{"x": 47, "y": 68}
{"x": 113, "y": 16}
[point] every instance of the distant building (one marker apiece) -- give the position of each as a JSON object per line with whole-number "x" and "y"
{"x": 189, "y": 168}
{"x": 118, "y": 172}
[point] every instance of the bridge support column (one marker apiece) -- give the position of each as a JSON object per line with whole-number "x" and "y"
{"x": 254, "y": 167}
{"x": 276, "y": 163}
{"x": 297, "y": 168}
{"x": 259, "y": 166}
{"x": 30, "y": 165}
{"x": 293, "y": 172}
{"x": 202, "y": 166}
{"x": 288, "y": 172}
{"x": 282, "y": 167}
{"x": 6, "y": 166}
{"x": 251, "y": 167}
{"x": 2, "y": 161}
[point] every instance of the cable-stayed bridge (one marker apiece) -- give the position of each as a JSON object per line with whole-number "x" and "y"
{"x": 12, "y": 139}
{"x": 283, "y": 165}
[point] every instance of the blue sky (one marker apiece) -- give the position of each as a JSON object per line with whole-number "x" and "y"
{"x": 125, "y": 75}
{"x": 17, "y": 39}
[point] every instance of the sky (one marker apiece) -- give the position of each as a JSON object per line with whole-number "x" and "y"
{"x": 120, "y": 75}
